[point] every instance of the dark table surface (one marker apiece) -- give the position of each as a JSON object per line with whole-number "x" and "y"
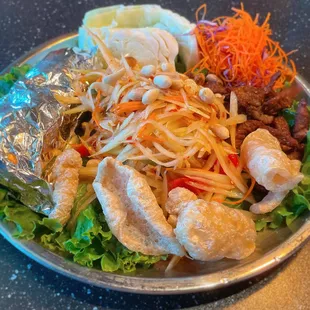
{"x": 24, "y": 284}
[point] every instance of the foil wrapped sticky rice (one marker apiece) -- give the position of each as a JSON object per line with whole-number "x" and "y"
{"x": 30, "y": 118}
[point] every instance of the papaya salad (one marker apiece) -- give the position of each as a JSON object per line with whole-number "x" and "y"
{"x": 188, "y": 140}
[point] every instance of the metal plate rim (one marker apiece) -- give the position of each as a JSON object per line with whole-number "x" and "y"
{"x": 180, "y": 285}
{"x": 39, "y": 49}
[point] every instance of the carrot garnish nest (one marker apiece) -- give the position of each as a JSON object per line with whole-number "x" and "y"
{"x": 240, "y": 51}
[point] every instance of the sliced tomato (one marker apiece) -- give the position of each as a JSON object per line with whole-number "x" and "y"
{"x": 234, "y": 159}
{"x": 80, "y": 148}
{"x": 183, "y": 182}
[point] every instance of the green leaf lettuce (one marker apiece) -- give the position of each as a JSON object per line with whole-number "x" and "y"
{"x": 88, "y": 242}
{"x": 7, "y": 80}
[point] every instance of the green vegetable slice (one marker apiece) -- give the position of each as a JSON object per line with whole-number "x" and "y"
{"x": 7, "y": 80}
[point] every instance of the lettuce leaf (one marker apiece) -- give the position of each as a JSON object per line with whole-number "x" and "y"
{"x": 109, "y": 263}
{"x": 295, "y": 203}
{"x": 80, "y": 199}
{"x": 28, "y": 224}
{"x": 306, "y": 158}
{"x": 7, "y": 80}
{"x": 89, "y": 242}
{"x": 24, "y": 219}
{"x": 261, "y": 224}
{"x": 52, "y": 224}
{"x": 87, "y": 257}
{"x": 87, "y": 228}
{"x": 92, "y": 244}
{"x": 49, "y": 242}
{"x": 290, "y": 113}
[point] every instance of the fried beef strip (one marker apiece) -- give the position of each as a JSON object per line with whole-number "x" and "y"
{"x": 257, "y": 114}
{"x": 246, "y": 128}
{"x": 250, "y": 96}
{"x": 301, "y": 121}
{"x": 261, "y": 93}
{"x": 281, "y": 132}
{"x": 298, "y": 154}
{"x": 281, "y": 124}
{"x": 251, "y": 99}
{"x": 263, "y": 104}
{"x": 282, "y": 100}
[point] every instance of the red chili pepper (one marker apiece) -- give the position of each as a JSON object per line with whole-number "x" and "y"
{"x": 222, "y": 170}
{"x": 130, "y": 138}
{"x": 182, "y": 182}
{"x": 234, "y": 159}
{"x": 80, "y": 148}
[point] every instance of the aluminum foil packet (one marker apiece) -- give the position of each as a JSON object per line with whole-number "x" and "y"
{"x": 29, "y": 115}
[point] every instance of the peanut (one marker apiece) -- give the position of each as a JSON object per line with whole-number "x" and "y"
{"x": 136, "y": 93}
{"x": 206, "y": 95}
{"x": 190, "y": 87}
{"x": 150, "y": 96}
{"x": 220, "y": 131}
{"x": 162, "y": 81}
{"x": 177, "y": 84}
{"x": 148, "y": 71}
{"x": 199, "y": 78}
{"x": 213, "y": 78}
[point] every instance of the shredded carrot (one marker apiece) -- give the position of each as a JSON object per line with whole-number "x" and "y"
{"x": 240, "y": 51}
{"x": 152, "y": 116}
{"x": 128, "y": 107}
{"x": 246, "y": 195}
{"x": 98, "y": 97}
{"x": 95, "y": 115}
{"x": 98, "y": 109}
{"x": 176, "y": 98}
{"x": 12, "y": 158}
{"x": 146, "y": 130}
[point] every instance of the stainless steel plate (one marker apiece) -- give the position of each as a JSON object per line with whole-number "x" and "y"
{"x": 273, "y": 247}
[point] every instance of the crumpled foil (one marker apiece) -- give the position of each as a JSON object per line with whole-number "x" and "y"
{"x": 29, "y": 114}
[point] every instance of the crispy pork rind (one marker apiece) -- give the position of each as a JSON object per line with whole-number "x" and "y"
{"x": 176, "y": 198}
{"x": 269, "y": 203}
{"x": 131, "y": 210}
{"x": 210, "y": 231}
{"x": 65, "y": 175}
{"x": 268, "y": 164}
